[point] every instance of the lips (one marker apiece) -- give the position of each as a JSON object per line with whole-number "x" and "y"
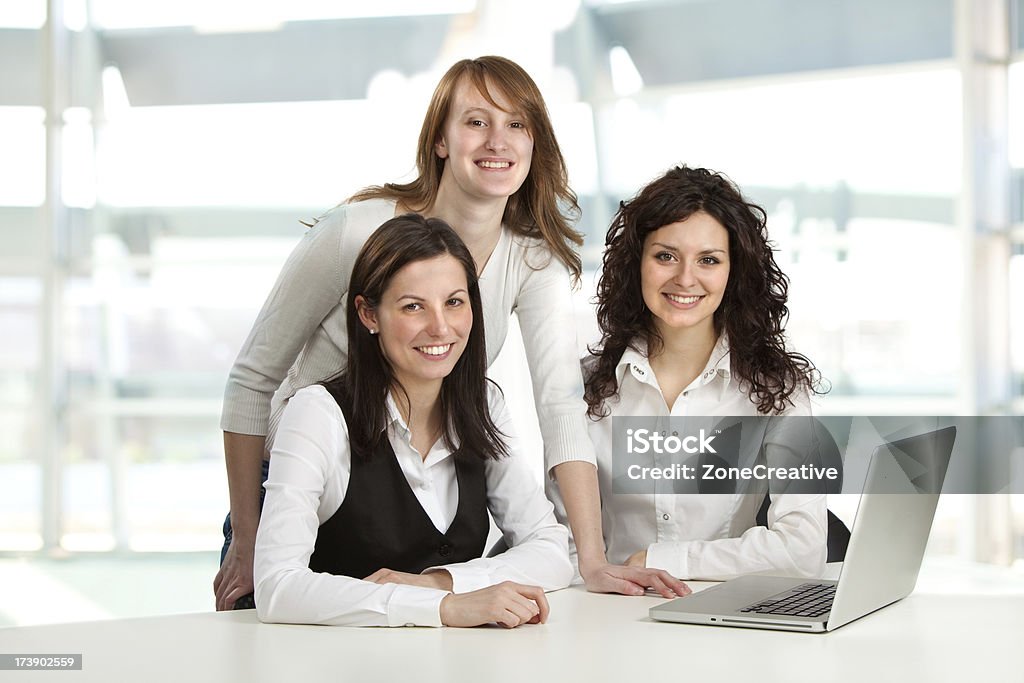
{"x": 684, "y": 301}
{"x": 435, "y": 352}
{"x": 494, "y": 164}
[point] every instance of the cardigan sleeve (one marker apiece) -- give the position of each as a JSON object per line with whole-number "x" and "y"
{"x": 545, "y": 310}
{"x": 311, "y": 284}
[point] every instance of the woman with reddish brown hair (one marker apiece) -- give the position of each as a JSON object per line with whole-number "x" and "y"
{"x": 489, "y": 165}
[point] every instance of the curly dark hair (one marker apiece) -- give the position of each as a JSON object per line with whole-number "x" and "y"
{"x": 753, "y": 311}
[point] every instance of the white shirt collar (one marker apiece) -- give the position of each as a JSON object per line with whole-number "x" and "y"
{"x": 635, "y": 360}
{"x": 395, "y": 416}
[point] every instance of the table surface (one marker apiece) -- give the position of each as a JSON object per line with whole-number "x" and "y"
{"x": 925, "y": 637}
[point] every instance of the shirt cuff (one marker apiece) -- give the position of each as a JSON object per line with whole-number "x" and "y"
{"x": 673, "y": 557}
{"x": 466, "y": 579}
{"x": 415, "y": 606}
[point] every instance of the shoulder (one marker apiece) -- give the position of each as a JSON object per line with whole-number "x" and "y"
{"x": 356, "y": 221}
{"x": 314, "y": 404}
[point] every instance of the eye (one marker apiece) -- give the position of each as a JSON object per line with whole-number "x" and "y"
{"x": 708, "y": 261}
{"x": 665, "y": 257}
{"x": 455, "y": 302}
{"x": 517, "y": 124}
{"x": 412, "y": 307}
{"x": 477, "y": 123}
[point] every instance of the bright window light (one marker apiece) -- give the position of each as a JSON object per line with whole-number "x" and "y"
{"x": 22, "y": 14}
{"x": 626, "y": 80}
{"x": 289, "y": 154}
{"x": 1016, "y": 115}
{"x": 872, "y": 132}
{"x": 23, "y": 161}
{"x": 245, "y": 14}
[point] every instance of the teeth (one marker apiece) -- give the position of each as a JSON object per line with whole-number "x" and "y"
{"x": 494, "y": 164}
{"x": 435, "y": 350}
{"x": 683, "y": 299}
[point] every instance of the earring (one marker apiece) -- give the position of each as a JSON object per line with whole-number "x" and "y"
{"x": 373, "y": 330}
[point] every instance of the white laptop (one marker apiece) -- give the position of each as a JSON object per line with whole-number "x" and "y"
{"x": 882, "y": 560}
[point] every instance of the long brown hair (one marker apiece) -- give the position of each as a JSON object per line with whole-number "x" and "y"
{"x": 544, "y": 207}
{"x": 753, "y": 311}
{"x": 368, "y": 376}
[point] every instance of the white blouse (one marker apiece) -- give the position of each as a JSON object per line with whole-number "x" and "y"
{"x": 709, "y": 536}
{"x": 309, "y": 476}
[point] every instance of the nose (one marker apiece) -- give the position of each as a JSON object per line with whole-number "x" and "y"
{"x": 437, "y": 326}
{"x": 496, "y": 141}
{"x": 684, "y": 276}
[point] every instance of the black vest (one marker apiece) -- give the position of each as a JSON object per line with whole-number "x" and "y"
{"x": 380, "y": 524}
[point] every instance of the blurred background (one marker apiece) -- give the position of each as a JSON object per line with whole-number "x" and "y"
{"x": 156, "y": 160}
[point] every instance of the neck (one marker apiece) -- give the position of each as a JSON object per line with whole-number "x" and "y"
{"x": 683, "y": 355}
{"x": 694, "y": 344}
{"x": 420, "y": 407}
{"x": 477, "y": 222}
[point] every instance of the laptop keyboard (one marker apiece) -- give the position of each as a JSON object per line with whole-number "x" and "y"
{"x": 806, "y": 600}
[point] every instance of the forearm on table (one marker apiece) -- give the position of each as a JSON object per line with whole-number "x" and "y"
{"x": 243, "y": 455}
{"x": 577, "y": 483}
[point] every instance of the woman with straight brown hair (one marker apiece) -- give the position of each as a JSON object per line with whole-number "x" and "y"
{"x": 490, "y": 166}
{"x": 377, "y": 504}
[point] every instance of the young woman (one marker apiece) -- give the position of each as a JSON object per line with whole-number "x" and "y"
{"x": 376, "y": 507}
{"x": 489, "y": 165}
{"x": 691, "y": 306}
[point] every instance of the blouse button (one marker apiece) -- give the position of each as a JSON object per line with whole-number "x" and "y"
{"x": 445, "y": 550}
{"x": 665, "y": 516}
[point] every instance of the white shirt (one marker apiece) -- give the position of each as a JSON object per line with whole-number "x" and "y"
{"x": 300, "y": 338}
{"x": 693, "y": 536}
{"x": 309, "y": 476}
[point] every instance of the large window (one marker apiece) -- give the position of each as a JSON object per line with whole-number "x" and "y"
{"x": 184, "y": 178}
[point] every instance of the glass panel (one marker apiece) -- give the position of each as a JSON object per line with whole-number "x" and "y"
{"x": 1016, "y": 115}
{"x": 20, "y": 424}
{"x": 173, "y": 329}
{"x": 224, "y": 14}
{"x": 278, "y": 154}
{"x": 858, "y": 175}
{"x": 23, "y": 162}
{"x": 164, "y": 470}
{"x": 23, "y": 14}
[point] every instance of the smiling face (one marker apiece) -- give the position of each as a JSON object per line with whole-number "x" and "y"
{"x": 684, "y": 270}
{"x": 423, "y": 321}
{"x": 487, "y": 149}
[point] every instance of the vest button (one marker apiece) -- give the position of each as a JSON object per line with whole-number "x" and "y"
{"x": 445, "y": 550}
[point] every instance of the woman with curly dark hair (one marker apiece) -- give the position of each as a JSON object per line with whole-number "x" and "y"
{"x": 692, "y": 306}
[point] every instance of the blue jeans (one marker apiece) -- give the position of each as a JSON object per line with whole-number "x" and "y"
{"x": 246, "y": 601}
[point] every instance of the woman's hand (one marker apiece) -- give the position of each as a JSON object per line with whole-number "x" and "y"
{"x": 234, "y": 579}
{"x": 632, "y": 580}
{"x": 507, "y": 604}
{"x": 441, "y": 580}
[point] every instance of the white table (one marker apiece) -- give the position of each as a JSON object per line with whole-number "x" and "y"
{"x": 588, "y": 638}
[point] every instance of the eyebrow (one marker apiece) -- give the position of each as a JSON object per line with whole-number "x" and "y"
{"x": 419, "y": 298}
{"x": 675, "y": 249}
{"x": 473, "y": 110}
